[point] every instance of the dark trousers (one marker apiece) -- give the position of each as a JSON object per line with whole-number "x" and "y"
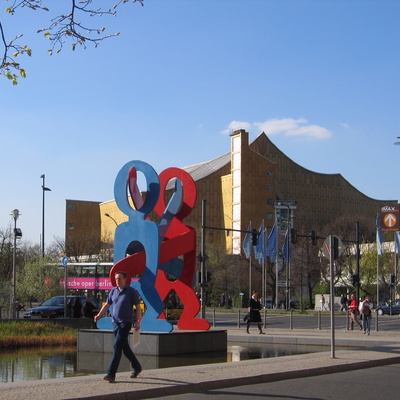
{"x": 121, "y": 345}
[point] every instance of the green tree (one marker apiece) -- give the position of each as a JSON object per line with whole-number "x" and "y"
{"x": 39, "y": 280}
{"x": 368, "y": 271}
{"x": 69, "y": 27}
{"x": 6, "y": 254}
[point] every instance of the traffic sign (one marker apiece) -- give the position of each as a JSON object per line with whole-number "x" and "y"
{"x": 390, "y": 218}
{"x": 337, "y": 247}
{"x": 64, "y": 261}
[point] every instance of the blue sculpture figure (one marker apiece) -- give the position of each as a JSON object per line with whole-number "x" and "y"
{"x": 144, "y": 247}
{"x": 144, "y": 231}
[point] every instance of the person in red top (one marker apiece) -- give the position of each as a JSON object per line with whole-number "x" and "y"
{"x": 353, "y": 308}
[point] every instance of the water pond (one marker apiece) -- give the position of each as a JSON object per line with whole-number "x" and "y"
{"x": 36, "y": 364}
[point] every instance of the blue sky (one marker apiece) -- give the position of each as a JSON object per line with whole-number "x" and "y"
{"x": 321, "y": 78}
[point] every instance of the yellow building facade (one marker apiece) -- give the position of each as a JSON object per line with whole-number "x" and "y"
{"x": 240, "y": 186}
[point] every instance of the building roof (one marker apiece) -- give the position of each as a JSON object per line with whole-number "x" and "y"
{"x": 201, "y": 170}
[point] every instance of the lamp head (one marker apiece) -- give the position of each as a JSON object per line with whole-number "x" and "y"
{"x": 15, "y": 214}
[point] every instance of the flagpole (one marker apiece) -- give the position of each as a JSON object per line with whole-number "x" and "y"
{"x": 263, "y": 263}
{"x": 377, "y": 280}
{"x": 250, "y": 277}
{"x": 276, "y": 263}
{"x": 379, "y": 252}
{"x": 395, "y": 266}
{"x": 264, "y": 266}
{"x": 248, "y": 239}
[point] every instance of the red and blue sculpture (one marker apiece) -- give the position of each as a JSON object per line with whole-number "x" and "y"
{"x": 152, "y": 250}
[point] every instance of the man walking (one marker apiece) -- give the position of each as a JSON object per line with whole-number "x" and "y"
{"x": 343, "y": 302}
{"x": 122, "y": 298}
{"x": 322, "y": 301}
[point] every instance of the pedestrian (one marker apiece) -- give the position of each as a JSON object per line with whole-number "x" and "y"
{"x": 322, "y": 301}
{"x": 354, "y": 312}
{"x": 254, "y": 311}
{"x": 222, "y": 300}
{"x": 366, "y": 312}
{"x": 123, "y": 298}
{"x": 343, "y": 302}
{"x": 89, "y": 310}
{"x": 76, "y": 308}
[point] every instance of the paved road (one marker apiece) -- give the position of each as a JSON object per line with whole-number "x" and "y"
{"x": 299, "y": 321}
{"x": 369, "y": 383}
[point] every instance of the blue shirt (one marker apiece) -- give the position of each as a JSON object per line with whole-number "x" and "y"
{"x": 123, "y": 302}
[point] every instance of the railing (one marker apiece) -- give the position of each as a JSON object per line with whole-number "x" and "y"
{"x": 289, "y": 319}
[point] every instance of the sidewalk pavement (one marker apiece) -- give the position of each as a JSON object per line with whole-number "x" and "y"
{"x": 381, "y": 348}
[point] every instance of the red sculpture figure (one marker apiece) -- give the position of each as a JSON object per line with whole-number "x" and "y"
{"x": 176, "y": 240}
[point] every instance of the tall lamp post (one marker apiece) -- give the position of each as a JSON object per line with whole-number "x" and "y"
{"x": 289, "y": 206}
{"x": 116, "y": 224}
{"x": 17, "y": 233}
{"x": 109, "y": 216}
{"x": 44, "y": 189}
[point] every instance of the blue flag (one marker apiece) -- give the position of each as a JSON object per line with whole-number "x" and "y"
{"x": 247, "y": 242}
{"x": 285, "y": 247}
{"x": 271, "y": 247}
{"x": 379, "y": 238}
{"x": 397, "y": 242}
{"x": 259, "y": 248}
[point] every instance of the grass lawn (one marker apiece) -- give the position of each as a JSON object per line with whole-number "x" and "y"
{"x": 16, "y": 334}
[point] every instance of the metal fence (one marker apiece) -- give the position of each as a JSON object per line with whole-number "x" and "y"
{"x": 290, "y": 320}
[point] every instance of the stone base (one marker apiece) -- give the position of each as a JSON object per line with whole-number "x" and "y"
{"x": 156, "y": 344}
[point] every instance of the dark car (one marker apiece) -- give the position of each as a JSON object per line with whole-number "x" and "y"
{"x": 385, "y": 309}
{"x": 54, "y": 307}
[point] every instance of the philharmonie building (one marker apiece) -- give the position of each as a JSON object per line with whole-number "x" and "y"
{"x": 253, "y": 182}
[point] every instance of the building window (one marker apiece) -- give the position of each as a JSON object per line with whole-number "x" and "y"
{"x": 236, "y": 161}
{"x": 236, "y": 145}
{"x": 236, "y": 178}
{"x": 236, "y": 212}
{"x": 71, "y": 227}
{"x": 270, "y": 202}
{"x": 270, "y": 173}
{"x": 236, "y": 194}
{"x": 71, "y": 206}
{"x": 270, "y": 215}
{"x": 270, "y": 187}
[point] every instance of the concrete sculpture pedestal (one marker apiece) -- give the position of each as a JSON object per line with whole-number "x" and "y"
{"x": 156, "y": 344}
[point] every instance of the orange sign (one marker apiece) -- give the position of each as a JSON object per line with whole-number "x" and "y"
{"x": 390, "y": 218}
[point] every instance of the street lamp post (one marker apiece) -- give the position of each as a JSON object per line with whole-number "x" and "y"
{"x": 44, "y": 189}
{"x": 109, "y": 216}
{"x": 289, "y": 206}
{"x": 17, "y": 233}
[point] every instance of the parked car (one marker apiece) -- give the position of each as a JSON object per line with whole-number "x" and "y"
{"x": 385, "y": 309}
{"x": 266, "y": 303}
{"x": 54, "y": 307}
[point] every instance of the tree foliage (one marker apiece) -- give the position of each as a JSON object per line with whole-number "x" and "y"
{"x": 6, "y": 254}
{"x": 39, "y": 280}
{"x": 69, "y": 27}
{"x": 369, "y": 272}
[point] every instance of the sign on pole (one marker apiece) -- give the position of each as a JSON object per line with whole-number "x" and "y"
{"x": 337, "y": 247}
{"x": 389, "y": 218}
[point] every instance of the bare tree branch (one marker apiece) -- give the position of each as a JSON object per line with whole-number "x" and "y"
{"x": 62, "y": 29}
